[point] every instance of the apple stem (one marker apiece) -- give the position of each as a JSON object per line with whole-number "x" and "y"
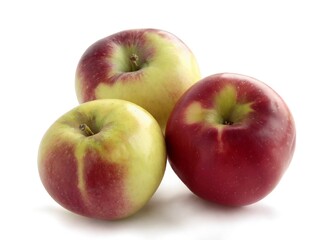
{"x": 134, "y": 62}
{"x": 85, "y": 128}
{"x": 227, "y": 122}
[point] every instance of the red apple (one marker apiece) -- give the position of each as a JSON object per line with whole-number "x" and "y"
{"x": 230, "y": 139}
{"x": 103, "y": 159}
{"x": 149, "y": 67}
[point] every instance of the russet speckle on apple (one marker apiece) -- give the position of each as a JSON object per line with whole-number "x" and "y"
{"x": 149, "y": 67}
{"x": 230, "y": 138}
{"x": 103, "y": 159}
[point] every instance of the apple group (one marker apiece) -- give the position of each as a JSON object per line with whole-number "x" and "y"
{"x": 228, "y": 137}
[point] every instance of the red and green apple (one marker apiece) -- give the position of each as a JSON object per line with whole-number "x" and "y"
{"x": 230, "y": 139}
{"x": 149, "y": 67}
{"x": 103, "y": 159}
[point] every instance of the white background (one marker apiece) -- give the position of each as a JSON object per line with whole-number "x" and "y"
{"x": 286, "y": 44}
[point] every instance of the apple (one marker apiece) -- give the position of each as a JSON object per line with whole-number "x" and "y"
{"x": 103, "y": 159}
{"x": 149, "y": 67}
{"x": 230, "y": 139}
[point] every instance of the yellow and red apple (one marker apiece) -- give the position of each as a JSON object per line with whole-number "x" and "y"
{"x": 103, "y": 159}
{"x": 149, "y": 67}
{"x": 230, "y": 139}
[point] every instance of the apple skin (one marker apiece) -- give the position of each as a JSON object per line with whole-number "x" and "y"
{"x": 149, "y": 67}
{"x": 230, "y": 138}
{"x": 108, "y": 175}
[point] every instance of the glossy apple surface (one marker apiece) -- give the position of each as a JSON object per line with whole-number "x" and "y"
{"x": 149, "y": 67}
{"x": 230, "y": 139}
{"x": 103, "y": 159}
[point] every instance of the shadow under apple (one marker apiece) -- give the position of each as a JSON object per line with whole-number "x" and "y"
{"x": 173, "y": 211}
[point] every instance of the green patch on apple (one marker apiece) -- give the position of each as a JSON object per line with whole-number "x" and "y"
{"x": 226, "y": 109}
